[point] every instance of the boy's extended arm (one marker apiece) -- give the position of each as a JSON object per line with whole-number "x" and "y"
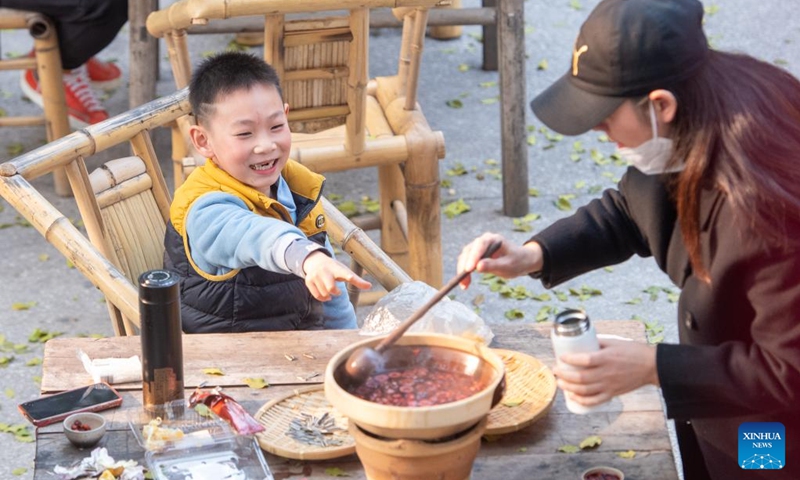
{"x": 225, "y": 235}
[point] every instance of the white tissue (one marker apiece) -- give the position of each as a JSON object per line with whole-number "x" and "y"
{"x": 99, "y": 461}
{"x": 112, "y": 370}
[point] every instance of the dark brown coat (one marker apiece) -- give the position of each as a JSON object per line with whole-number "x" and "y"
{"x": 739, "y": 357}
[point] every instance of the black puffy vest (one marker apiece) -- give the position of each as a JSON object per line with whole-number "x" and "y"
{"x": 252, "y": 300}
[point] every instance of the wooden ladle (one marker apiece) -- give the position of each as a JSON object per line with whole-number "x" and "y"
{"x": 364, "y": 360}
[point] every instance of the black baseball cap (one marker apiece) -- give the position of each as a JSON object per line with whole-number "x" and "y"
{"x": 626, "y": 48}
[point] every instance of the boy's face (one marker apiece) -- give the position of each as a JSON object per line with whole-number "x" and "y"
{"x": 247, "y": 135}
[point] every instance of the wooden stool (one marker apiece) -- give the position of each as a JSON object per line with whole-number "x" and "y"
{"x": 47, "y": 62}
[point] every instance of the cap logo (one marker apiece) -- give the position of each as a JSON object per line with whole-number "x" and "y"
{"x": 576, "y": 55}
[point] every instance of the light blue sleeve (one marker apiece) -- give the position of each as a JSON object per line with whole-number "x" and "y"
{"x": 225, "y": 235}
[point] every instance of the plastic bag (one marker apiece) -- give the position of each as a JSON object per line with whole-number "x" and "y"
{"x": 447, "y": 316}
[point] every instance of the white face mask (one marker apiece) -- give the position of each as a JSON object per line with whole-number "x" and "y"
{"x": 652, "y": 156}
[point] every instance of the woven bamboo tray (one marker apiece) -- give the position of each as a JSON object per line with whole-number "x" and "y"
{"x": 276, "y": 417}
{"x": 530, "y": 391}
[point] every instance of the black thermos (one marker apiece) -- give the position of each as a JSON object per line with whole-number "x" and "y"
{"x": 162, "y": 345}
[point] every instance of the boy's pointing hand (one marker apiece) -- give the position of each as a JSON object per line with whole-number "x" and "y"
{"x": 322, "y": 273}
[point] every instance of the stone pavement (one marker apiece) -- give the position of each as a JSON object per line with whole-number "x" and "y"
{"x": 38, "y": 290}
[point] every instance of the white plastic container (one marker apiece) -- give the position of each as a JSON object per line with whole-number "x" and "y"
{"x": 208, "y": 448}
{"x": 573, "y": 332}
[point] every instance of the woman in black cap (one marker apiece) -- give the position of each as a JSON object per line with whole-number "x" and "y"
{"x": 713, "y": 195}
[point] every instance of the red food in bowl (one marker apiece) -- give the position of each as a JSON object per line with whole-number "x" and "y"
{"x": 603, "y": 473}
{"x": 79, "y": 426}
{"x": 417, "y": 387}
{"x": 601, "y": 476}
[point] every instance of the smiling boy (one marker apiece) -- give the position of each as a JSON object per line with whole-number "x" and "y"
{"x": 247, "y": 231}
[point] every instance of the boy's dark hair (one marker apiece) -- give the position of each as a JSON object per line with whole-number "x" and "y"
{"x": 224, "y": 73}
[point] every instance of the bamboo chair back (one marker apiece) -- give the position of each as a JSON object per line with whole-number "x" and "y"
{"x": 116, "y": 250}
{"x": 124, "y": 206}
{"x": 322, "y": 61}
{"x": 47, "y": 62}
{"x": 314, "y": 66}
{"x": 130, "y": 214}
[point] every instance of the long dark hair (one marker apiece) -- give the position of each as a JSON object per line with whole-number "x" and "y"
{"x": 737, "y": 128}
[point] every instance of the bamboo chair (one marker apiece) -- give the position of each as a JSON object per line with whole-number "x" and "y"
{"x": 47, "y": 62}
{"x": 321, "y": 56}
{"x": 124, "y": 205}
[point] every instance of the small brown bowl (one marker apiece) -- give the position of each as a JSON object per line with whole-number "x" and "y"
{"x": 603, "y": 473}
{"x": 85, "y": 438}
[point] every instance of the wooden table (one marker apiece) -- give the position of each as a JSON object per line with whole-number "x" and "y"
{"x": 631, "y": 422}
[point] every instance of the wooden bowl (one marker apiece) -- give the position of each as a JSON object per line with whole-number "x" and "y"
{"x": 429, "y": 422}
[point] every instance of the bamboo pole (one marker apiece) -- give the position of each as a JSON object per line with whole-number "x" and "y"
{"x": 401, "y": 215}
{"x": 304, "y": 22}
{"x": 273, "y": 34}
{"x": 98, "y": 137}
{"x": 23, "y": 63}
{"x": 318, "y": 112}
{"x": 143, "y": 147}
{"x": 360, "y": 247}
{"x": 421, "y": 175}
{"x": 449, "y": 32}
{"x": 391, "y": 187}
{"x": 354, "y": 292}
{"x": 181, "y": 14}
{"x": 179, "y": 153}
{"x": 317, "y": 37}
{"x": 327, "y": 73}
{"x": 93, "y": 221}
{"x": 404, "y": 60}
{"x": 335, "y": 158}
{"x": 22, "y": 121}
{"x": 367, "y": 221}
{"x": 357, "y": 81}
{"x": 14, "y": 19}
{"x": 115, "y": 172}
{"x": 117, "y": 193}
{"x": 48, "y": 66}
{"x": 371, "y": 297}
{"x": 417, "y": 42}
{"x": 178, "y": 54}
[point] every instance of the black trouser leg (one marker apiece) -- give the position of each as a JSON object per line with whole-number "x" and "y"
{"x": 84, "y": 27}
{"x": 694, "y": 465}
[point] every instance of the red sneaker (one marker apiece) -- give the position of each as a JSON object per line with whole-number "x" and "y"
{"x": 104, "y": 75}
{"x": 83, "y": 107}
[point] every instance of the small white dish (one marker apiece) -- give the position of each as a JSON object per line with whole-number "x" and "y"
{"x": 84, "y": 438}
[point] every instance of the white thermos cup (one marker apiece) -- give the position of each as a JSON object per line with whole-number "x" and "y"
{"x": 572, "y": 333}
